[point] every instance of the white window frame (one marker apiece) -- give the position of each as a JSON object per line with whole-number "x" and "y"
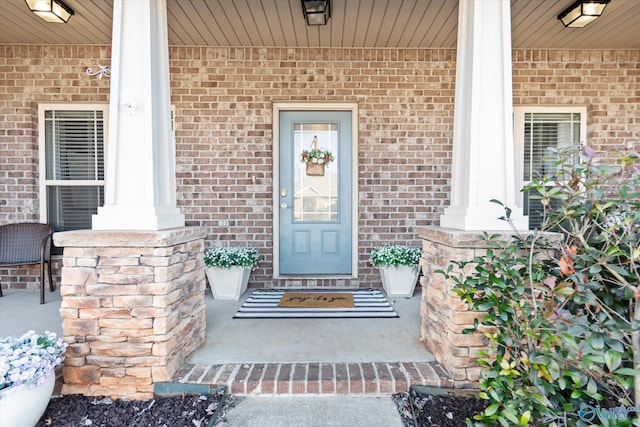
{"x": 518, "y": 129}
{"x": 44, "y": 182}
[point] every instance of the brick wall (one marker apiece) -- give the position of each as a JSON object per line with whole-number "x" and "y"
{"x": 223, "y": 115}
{"x": 606, "y": 81}
{"x": 405, "y": 102}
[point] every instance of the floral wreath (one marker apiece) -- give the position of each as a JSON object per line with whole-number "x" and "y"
{"x": 316, "y": 155}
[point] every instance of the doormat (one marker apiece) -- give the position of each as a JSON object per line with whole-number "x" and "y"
{"x": 264, "y": 304}
{"x": 316, "y": 300}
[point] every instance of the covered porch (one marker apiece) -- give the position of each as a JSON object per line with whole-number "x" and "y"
{"x": 191, "y": 146}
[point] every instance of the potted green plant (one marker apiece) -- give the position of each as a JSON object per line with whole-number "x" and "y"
{"x": 27, "y": 376}
{"x": 399, "y": 268}
{"x": 228, "y": 269}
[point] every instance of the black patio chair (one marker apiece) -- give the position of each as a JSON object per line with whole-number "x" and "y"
{"x": 24, "y": 244}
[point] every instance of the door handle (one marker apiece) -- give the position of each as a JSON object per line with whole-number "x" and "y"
{"x": 283, "y": 205}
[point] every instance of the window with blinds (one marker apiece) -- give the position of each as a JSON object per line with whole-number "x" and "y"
{"x": 537, "y": 130}
{"x": 72, "y": 163}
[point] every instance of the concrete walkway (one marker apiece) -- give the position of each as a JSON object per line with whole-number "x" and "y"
{"x": 314, "y": 411}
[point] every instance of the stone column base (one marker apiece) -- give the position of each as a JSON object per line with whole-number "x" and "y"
{"x": 444, "y": 315}
{"x": 132, "y": 308}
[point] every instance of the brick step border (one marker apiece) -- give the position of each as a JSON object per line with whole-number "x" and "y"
{"x": 370, "y": 378}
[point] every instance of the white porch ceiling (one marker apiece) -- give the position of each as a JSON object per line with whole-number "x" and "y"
{"x": 353, "y": 23}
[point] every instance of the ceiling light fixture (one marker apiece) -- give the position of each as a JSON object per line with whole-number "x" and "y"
{"x": 50, "y": 10}
{"x": 316, "y": 12}
{"x": 582, "y": 12}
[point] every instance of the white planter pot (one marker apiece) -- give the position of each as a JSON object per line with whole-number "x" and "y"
{"x": 399, "y": 281}
{"x": 228, "y": 283}
{"x": 22, "y": 407}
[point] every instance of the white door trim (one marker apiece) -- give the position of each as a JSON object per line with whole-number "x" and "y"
{"x": 311, "y": 106}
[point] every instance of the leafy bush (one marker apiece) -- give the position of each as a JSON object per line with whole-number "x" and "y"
{"x": 232, "y": 256}
{"x": 395, "y": 255}
{"x": 563, "y": 319}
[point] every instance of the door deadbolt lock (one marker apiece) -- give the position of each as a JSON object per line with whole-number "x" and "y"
{"x": 283, "y": 205}
{"x": 283, "y": 192}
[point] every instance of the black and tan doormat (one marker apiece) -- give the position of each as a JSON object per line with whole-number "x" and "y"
{"x": 280, "y": 304}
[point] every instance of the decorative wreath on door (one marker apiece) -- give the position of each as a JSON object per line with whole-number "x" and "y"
{"x": 316, "y": 158}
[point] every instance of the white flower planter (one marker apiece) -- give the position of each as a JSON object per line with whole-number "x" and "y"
{"x": 399, "y": 281}
{"x": 22, "y": 407}
{"x": 228, "y": 283}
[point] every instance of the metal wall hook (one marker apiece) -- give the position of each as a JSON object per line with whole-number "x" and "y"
{"x": 104, "y": 71}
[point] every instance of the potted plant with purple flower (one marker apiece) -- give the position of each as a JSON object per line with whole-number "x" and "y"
{"x": 27, "y": 376}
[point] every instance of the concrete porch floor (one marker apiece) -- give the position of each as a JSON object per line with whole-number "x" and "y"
{"x": 280, "y": 356}
{"x": 311, "y": 340}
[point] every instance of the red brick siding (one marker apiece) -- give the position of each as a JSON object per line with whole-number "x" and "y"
{"x": 606, "y": 81}
{"x": 223, "y": 125}
{"x": 225, "y": 135}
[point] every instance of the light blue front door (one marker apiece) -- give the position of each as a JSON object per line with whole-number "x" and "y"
{"x": 315, "y": 210}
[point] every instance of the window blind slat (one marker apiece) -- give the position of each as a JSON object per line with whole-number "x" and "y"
{"x": 70, "y": 208}
{"x": 543, "y": 131}
{"x": 74, "y": 152}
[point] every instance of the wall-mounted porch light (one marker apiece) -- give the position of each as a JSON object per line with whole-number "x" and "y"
{"x": 582, "y": 12}
{"x": 50, "y": 10}
{"x": 316, "y": 12}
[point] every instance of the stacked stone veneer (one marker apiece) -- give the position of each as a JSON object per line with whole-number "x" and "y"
{"x": 444, "y": 315}
{"x": 132, "y": 308}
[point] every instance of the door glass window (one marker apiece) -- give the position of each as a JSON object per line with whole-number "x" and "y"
{"x": 315, "y": 197}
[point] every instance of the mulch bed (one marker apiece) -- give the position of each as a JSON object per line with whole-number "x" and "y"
{"x": 430, "y": 410}
{"x": 433, "y": 410}
{"x": 177, "y": 411}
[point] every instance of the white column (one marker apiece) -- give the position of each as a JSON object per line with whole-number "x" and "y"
{"x": 483, "y": 159}
{"x": 140, "y": 189}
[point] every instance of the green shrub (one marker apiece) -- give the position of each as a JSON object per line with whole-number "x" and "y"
{"x": 563, "y": 321}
